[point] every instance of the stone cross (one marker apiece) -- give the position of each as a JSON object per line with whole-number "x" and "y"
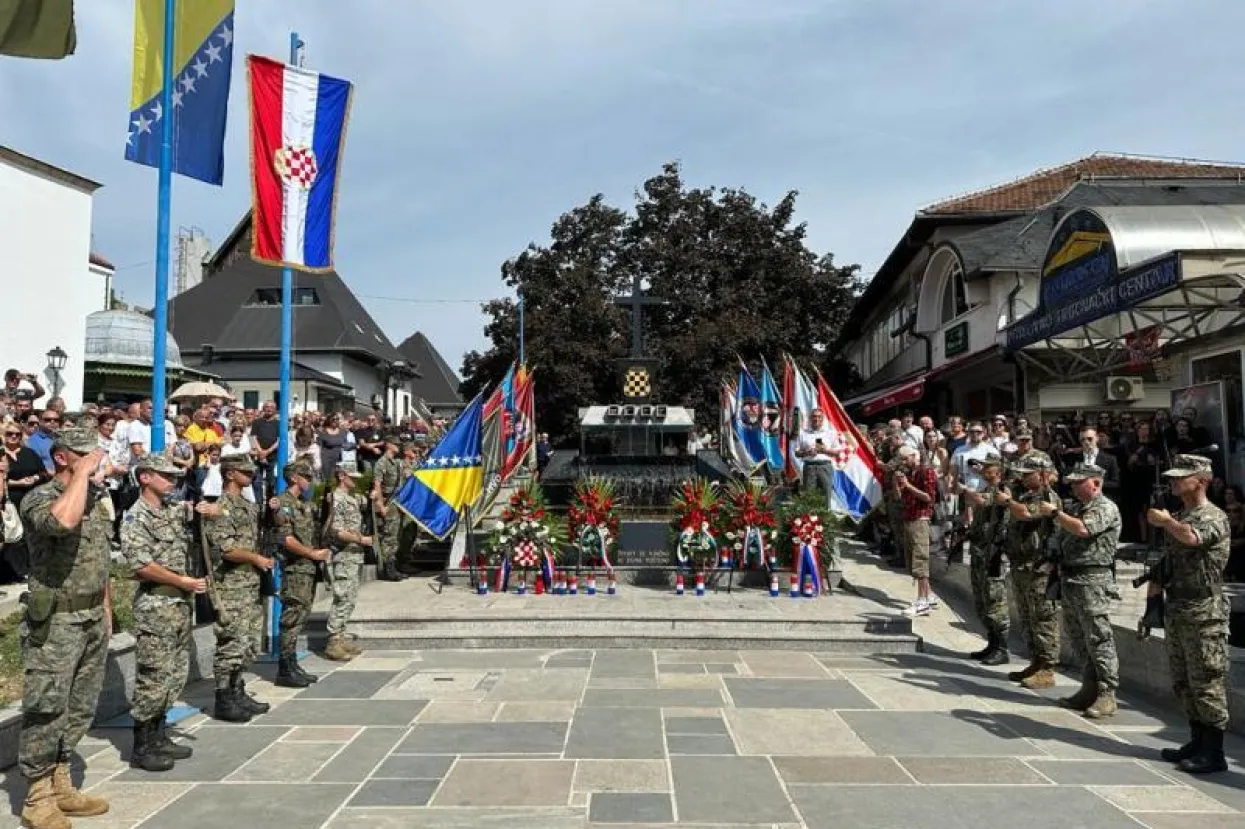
{"x": 636, "y": 301}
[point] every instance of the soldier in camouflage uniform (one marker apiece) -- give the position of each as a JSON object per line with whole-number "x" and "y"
{"x": 986, "y": 569}
{"x": 295, "y": 521}
{"x": 345, "y": 531}
{"x": 408, "y": 535}
{"x": 1087, "y": 539}
{"x": 1025, "y": 451}
{"x": 66, "y": 626}
{"x": 155, "y": 537}
{"x": 1196, "y": 623}
{"x": 1027, "y": 536}
{"x": 233, "y": 543}
{"x": 388, "y": 474}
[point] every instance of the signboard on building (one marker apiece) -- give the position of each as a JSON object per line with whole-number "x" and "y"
{"x": 955, "y": 340}
{"x": 1081, "y": 282}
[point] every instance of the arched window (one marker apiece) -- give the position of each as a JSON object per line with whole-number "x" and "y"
{"x": 954, "y": 295}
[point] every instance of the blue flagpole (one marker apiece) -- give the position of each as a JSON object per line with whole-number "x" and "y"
{"x": 283, "y": 409}
{"x": 164, "y": 202}
{"x": 522, "y": 355}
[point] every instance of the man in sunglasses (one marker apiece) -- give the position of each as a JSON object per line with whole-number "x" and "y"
{"x": 41, "y": 441}
{"x": 13, "y": 387}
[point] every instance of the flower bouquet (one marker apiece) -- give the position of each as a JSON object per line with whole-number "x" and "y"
{"x": 592, "y": 521}
{"x": 528, "y": 538}
{"x": 751, "y": 526}
{"x": 809, "y": 532}
{"x": 696, "y": 504}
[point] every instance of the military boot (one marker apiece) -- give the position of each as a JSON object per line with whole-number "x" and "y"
{"x": 146, "y": 753}
{"x": 1082, "y": 698}
{"x": 250, "y": 703}
{"x": 1189, "y": 749}
{"x": 288, "y": 675}
{"x": 1029, "y": 670}
{"x": 311, "y": 678}
{"x": 336, "y": 650}
{"x": 1209, "y": 758}
{"x": 1104, "y": 705}
{"x": 228, "y": 707}
{"x": 166, "y": 745}
{"x": 991, "y": 639}
{"x": 352, "y": 644}
{"x": 998, "y": 656}
{"x": 1042, "y": 678}
{"x": 40, "y": 811}
{"x": 70, "y": 800}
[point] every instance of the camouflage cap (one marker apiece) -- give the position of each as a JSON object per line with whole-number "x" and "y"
{"x": 1083, "y": 471}
{"x": 76, "y": 439}
{"x": 1185, "y": 465}
{"x": 392, "y": 437}
{"x": 349, "y": 468}
{"x": 158, "y": 462}
{"x": 986, "y": 462}
{"x": 409, "y": 446}
{"x": 299, "y": 467}
{"x": 1024, "y": 433}
{"x": 237, "y": 463}
{"x": 1035, "y": 463}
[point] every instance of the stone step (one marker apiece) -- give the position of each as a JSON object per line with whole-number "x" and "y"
{"x": 692, "y": 626}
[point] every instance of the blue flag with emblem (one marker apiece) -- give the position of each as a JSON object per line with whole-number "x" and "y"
{"x": 202, "y": 66}
{"x": 450, "y": 478}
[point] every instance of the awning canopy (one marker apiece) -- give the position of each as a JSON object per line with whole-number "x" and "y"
{"x": 908, "y": 391}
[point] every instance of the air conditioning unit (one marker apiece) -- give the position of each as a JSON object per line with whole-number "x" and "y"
{"x": 1121, "y": 389}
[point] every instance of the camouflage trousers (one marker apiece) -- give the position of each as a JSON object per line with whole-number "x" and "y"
{"x": 1087, "y": 624}
{"x": 298, "y": 593}
{"x": 389, "y": 540}
{"x": 989, "y": 595}
{"x": 161, "y": 656}
{"x": 346, "y": 573}
{"x": 1039, "y": 616}
{"x": 239, "y": 628}
{"x": 1197, "y": 656}
{"x": 62, "y": 681}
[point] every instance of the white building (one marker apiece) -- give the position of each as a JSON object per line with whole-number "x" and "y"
{"x": 50, "y": 281}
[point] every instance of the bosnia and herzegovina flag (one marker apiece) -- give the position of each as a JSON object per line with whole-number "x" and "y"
{"x": 202, "y": 66}
{"x": 450, "y": 478}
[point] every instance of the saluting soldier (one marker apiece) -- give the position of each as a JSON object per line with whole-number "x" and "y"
{"x": 156, "y": 540}
{"x": 66, "y": 627}
{"x": 233, "y": 542}
{"x": 989, "y": 583}
{"x": 344, "y": 528}
{"x": 1027, "y": 536}
{"x": 1198, "y": 539}
{"x": 295, "y": 522}
{"x": 388, "y": 473}
{"x": 1088, "y": 537}
{"x": 1025, "y": 451}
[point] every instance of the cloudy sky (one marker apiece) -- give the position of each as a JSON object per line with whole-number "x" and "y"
{"x": 477, "y": 122}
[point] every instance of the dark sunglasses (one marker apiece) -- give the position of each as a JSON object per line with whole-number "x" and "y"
{"x": 32, "y": 423}
{"x": 51, "y": 420}
{"x": 12, "y": 434}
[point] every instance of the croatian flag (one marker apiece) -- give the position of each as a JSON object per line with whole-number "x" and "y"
{"x": 857, "y": 478}
{"x": 298, "y": 130}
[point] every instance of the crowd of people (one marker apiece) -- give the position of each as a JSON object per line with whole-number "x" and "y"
{"x": 1042, "y": 509}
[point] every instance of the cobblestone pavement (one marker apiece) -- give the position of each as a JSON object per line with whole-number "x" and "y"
{"x": 553, "y": 739}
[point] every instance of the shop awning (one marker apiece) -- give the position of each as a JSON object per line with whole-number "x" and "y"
{"x": 909, "y": 391}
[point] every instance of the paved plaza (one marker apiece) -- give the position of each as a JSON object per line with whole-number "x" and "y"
{"x": 553, "y": 739}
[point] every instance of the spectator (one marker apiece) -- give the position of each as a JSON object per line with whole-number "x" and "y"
{"x": 1091, "y": 453}
{"x": 999, "y": 436}
{"x": 331, "y": 441}
{"x": 23, "y": 472}
{"x": 916, "y": 485}
{"x": 977, "y": 449}
{"x": 23, "y": 399}
{"x": 265, "y": 434}
{"x": 139, "y": 432}
{"x": 370, "y": 442}
{"x": 956, "y": 436}
{"x": 933, "y": 452}
{"x": 306, "y": 447}
{"x": 913, "y": 435}
{"x": 40, "y": 442}
{"x": 202, "y": 433}
{"x": 237, "y": 443}
{"x": 1141, "y": 469}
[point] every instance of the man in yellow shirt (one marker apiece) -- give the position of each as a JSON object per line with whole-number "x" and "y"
{"x": 201, "y": 434}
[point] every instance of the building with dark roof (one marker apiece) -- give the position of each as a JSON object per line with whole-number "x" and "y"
{"x": 436, "y": 387}
{"x": 230, "y": 324}
{"x": 939, "y": 328}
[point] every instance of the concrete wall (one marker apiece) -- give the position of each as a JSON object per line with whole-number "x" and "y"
{"x": 45, "y": 247}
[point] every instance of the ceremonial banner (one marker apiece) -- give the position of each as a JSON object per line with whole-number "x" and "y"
{"x": 857, "y": 481}
{"x": 450, "y": 478}
{"x": 748, "y": 416}
{"x": 522, "y": 411}
{"x": 298, "y": 131}
{"x": 493, "y": 452}
{"x": 202, "y": 67}
{"x": 37, "y": 28}
{"x": 799, "y": 399}
{"x": 731, "y": 442}
{"x": 772, "y": 439}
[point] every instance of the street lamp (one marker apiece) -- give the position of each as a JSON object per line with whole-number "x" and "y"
{"x": 56, "y": 364}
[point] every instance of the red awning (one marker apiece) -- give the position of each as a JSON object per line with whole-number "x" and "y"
{"x": 909, "y": 391}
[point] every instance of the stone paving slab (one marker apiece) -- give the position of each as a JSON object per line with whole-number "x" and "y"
{"x": 349, "y": 685}
{"x": 292, "y": 804}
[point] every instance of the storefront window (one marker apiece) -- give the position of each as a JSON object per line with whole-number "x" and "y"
{"x": 1226, "y": 368}
{"x": 954, "y": 296}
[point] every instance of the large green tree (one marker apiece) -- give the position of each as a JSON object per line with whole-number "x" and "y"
{"x": 737, "y": 277}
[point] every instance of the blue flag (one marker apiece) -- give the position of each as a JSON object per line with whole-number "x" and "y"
{"x": 450, "y": 478}
{"x": 771, "y": 420}
{"x": 202, "y": 65}
{"x": 748, "y": 408}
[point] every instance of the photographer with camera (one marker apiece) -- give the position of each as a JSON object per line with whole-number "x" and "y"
{"x": 1197, "y": 542}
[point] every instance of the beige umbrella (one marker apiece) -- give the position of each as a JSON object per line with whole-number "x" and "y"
{"x": 186, "y": 391}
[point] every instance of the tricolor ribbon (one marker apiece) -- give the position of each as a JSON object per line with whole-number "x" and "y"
{"x": 754, "y": 544}
{"x": 594, "y": 541}
{"x": 687, "y": 536}
{"x": 807, "y": 566}
{"x": 547, "y": 569}
{"x": 503, "y": 575}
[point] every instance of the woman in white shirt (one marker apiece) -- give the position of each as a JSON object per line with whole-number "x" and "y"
{"x": 238, "y": 444}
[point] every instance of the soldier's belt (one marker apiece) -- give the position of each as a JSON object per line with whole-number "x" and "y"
{"x": 1086, "y": 569}
{"x": 166, "y": 590}
{"x": 1191, "y": 594}
{"x": 73, "y": 604}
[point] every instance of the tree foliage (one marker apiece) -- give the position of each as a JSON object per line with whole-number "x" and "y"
{"x": 737, "y": 277}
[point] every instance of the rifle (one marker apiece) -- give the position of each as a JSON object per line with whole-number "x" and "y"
{"x": 268, "y": 548}
{"x": 994, "y": 565}
{"x": 208, "y": 571}
{"x": 1158, "y": 571}
{"x": 1054, "y": 588}
{"x": 326, "y": 540}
